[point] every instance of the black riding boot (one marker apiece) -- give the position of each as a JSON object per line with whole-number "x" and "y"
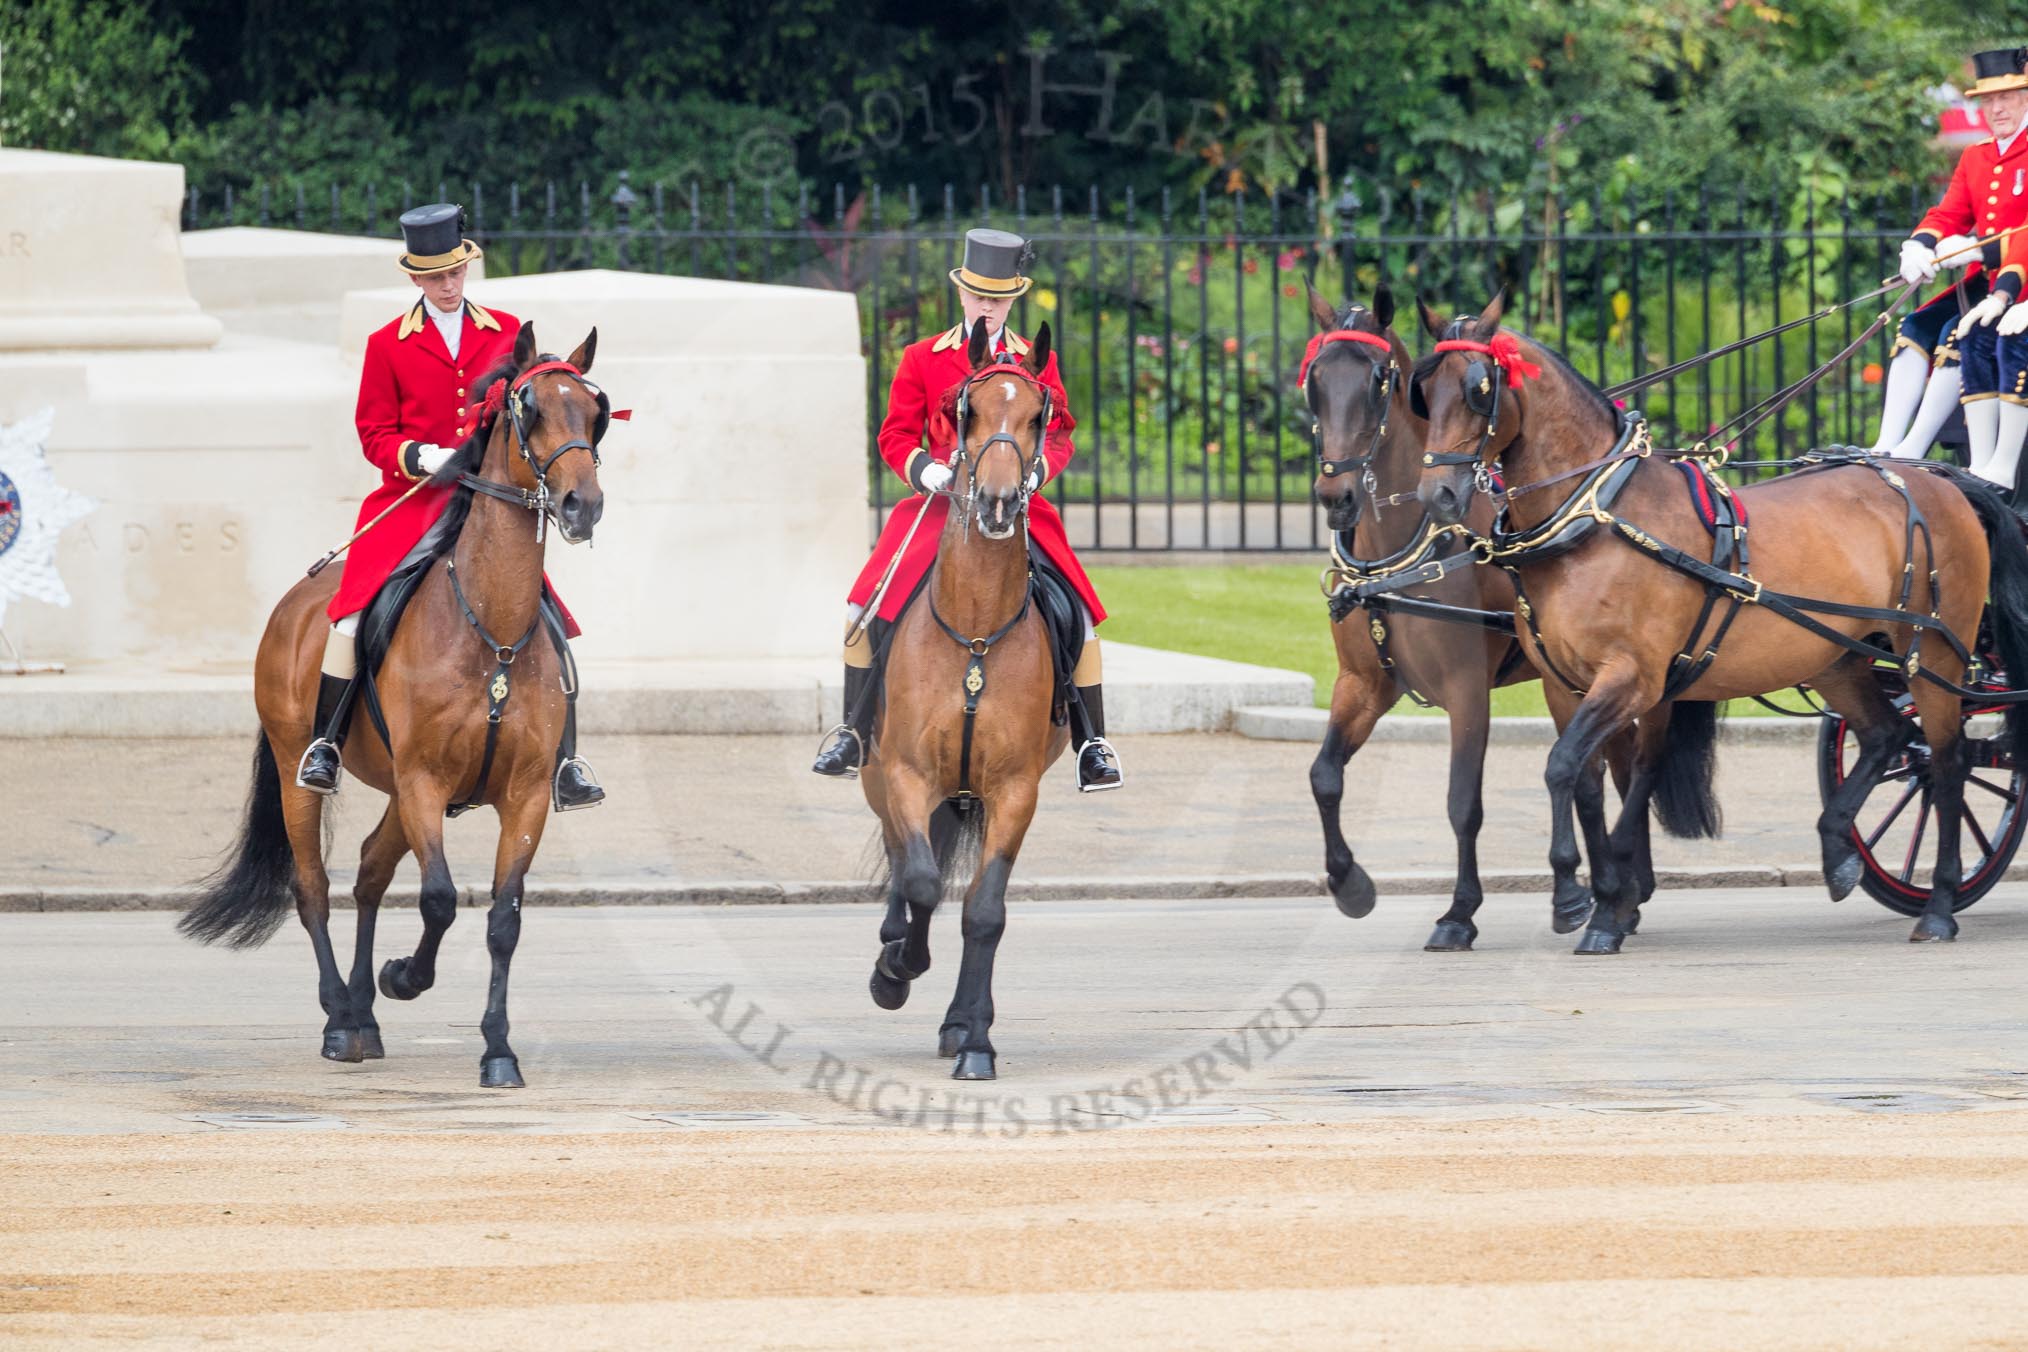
{"x": 1098, "y": 765}
{"x": 573, "y": 787}
{"x": 846, "y": 751}
{"x": 320, "y": 770}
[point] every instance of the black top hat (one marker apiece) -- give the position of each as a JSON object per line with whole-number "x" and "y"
{"x": 435, "y": 239}
{"x": 1998, "y": 71}
{"x": 995, "y": 262}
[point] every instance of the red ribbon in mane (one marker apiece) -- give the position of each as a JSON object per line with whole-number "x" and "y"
{"x": 1505, "y": 349}
{"x": 1337, "y": 336}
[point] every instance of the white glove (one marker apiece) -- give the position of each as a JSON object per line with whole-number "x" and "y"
{"x": 1985, "y": 312}
{"x": 433, "y": 457}
{"x": 936, "y": 478}
{"x": 2015, "y": 322}
{"x": 1918, "y": 262}
{"x": 1964, "y": 246}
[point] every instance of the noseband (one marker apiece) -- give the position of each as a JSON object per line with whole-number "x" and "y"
{"x": 969, "y": 458}
{"x": 518, "y": 400}
{"x": 1383, "y": 396}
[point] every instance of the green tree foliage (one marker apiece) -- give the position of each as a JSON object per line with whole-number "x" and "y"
{"x": 91, "y": 76}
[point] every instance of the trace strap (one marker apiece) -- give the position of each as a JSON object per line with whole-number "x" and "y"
{"x": 975, "y": 675}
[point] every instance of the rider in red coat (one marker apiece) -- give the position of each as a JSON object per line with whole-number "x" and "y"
{"x": 419, "y": 397}
{"x": 916, "y": 440}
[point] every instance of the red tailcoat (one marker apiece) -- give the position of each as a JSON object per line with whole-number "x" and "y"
{"x": 1988, "y": 193}
{"x": 412, "y": 392}
{"x": 929, "y": 370}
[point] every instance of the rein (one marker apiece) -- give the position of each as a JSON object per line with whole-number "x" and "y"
{"x": 520, "y": 409}
{"x": 970, "y": 459}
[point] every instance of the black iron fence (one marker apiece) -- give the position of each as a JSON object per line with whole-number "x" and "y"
{"x": 1180, "y": 322}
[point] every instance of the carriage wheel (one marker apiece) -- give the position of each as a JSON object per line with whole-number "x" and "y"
{"x": 1896, "y": 825}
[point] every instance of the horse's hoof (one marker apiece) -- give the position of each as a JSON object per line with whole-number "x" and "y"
{"x": 1354, "y": 893}
{"x": 1843, "y": 876}
{"x": 394, "y": 982}
{"x": 973, "y": 1066}
{"x": 949, "y": 1040}
{"x": 369, "y": 1043}
{"x": 888, "y": 992}
{"x": 1633, "y": 924}
{"x": 499, "y": 1072}
{"x": 1451, "y": 936}
{"x": 1570, "y": 914}
{"x": 1598, "y": 942}
{"x": 1933, "y": 929}
{"x": 343, "y": 1044}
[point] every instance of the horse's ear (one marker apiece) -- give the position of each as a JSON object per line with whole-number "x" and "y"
{"x": 1038, "y": 350}
{"x": 1320, "y": 309}
{"x": 1431, "y": 325}
{"x": 979, "y": 349}
{"x": 1489, "y": 318}
{"x": 524, "y": 346}
{"x": 1383, "y": 305}
{"x": 582, "y": 358}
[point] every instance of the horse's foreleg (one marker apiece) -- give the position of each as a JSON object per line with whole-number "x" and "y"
{"x": 1358, "y": 698}
{"x": 1471, "y": 723}
{"x": 1574, "y": 776}
{"x": 379, "y": 855}
{"x": 1617, "y": 882}
{"x": 422, "y": 822}
{"x": 522, "y": 818}
{"x": 985, "y": 920}
{"x": 915, "y": 885}
{"x": 303, "y": 813}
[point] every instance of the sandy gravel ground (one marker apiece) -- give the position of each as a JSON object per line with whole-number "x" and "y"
{"x": 1692, "y": 1232}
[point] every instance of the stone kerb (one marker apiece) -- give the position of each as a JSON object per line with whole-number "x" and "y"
{"x": 736, "y": 497}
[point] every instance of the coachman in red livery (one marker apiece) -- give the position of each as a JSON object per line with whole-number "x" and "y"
{"x": 916, "y": 441}
{"x": 419, "y": 399}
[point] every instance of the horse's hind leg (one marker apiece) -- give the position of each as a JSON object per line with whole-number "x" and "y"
{"x": 1850, "y": 688}
{"x": 422, "y": 823}
{"x": 521, "y": 821}
{"x": 1949, "y": 762}
{"x": 1357, "y": 701}
{"x": 1471, "y": 723}
{"x": 379, "y": 855}
{"x": 304, "y": 813}
{"x": 1639, "y": 838}
{"x": 985, "y": 920}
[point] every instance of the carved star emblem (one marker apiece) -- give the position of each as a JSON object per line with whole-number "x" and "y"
{"x": 34, "y": 509}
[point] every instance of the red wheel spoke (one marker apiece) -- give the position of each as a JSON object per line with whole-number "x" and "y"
{"x": 1994, "y": 789}
{"x": 1906, "y": 797}
{"x": 1915, "y": 840}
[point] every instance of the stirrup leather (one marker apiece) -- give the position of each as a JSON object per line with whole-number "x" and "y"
{"x": 1083, "y": 787}
{"x": 556, "y": 803}
{"x": 304, "y": 761}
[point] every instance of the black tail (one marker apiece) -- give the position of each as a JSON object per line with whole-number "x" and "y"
{"x": 956, "y": 834}
{"x": 1684, "y": 802}
{"x": 246, "y": 899}
{"x": 2007, "y": 595}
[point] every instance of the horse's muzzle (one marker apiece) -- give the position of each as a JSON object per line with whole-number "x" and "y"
{"x": 1341, "y": 504}
{"x": 577, "y": 514}
{"x": 1446, "y": 498}
{"x": 998, "y": 513}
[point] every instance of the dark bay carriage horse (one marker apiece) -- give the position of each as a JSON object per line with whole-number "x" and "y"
{"x": 473, "y": 702}
{"x": 966, "y": 727}
{"x": 1412, "y": 612}
{"x": 1628, "y": 599}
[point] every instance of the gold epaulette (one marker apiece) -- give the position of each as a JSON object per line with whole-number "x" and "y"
{"x": 1018, "y": 343}
{"x": 952, "y": 337}
{"x": 481, "y": 319}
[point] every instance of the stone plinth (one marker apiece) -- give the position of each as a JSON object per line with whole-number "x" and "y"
{"x": 89, "y": 255}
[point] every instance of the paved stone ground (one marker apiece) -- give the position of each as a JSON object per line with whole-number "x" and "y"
{"x": 112, "y": 815}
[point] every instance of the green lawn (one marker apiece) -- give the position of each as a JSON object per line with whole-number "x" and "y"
{"x": 1271, "y": 614}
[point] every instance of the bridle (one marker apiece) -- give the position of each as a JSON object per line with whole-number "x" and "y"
{"x": 969, "y": 458}
{"x": 1381, "y": 397}
{"x": 1500, "y": 366}
{"x": 518, "y": 401}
